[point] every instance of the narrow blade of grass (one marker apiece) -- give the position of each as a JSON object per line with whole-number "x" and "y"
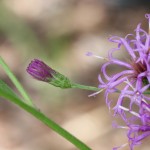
{"x": 7, "y": 93}
{"x": 16, "y": 82}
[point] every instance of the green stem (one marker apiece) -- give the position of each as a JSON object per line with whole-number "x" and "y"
{"x": 91, "y": 88}
{"x": 84, "y": 87}
{"x": 16, "y": 82}
{"x": 40, "y": 116}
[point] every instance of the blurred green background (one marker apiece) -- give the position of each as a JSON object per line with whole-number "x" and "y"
{"x": 60, "y": 32}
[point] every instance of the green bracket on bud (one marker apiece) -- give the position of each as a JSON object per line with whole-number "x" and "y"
{"x": 61, "y": 81}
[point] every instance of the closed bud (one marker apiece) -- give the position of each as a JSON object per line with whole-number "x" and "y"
{"x": 40, "y": 71}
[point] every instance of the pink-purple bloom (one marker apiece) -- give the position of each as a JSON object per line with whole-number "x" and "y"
{"x": 132, "y": 84}
{"x": 41, "y": 71}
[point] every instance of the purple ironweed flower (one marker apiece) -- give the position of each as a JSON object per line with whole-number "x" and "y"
{"x": 40, "y": 71}
{"x": 132, "y": 84}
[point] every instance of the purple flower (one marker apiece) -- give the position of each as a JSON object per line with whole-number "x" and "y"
{"x": 132, "y": 83}
{"x": 40, "y": 71}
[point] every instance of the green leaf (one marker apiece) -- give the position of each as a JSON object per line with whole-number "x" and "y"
{"x": 7, "y": 93}
{"x": 16, "y": 82}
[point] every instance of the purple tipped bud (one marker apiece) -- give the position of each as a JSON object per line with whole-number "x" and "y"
{"x": 40, "y": 71}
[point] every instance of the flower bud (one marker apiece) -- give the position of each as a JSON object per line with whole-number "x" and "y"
{"x": 40, "y": 71}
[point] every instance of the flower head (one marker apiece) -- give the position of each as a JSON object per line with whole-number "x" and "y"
{"x": 132, "y": 83}
{"x": 40, "y": 71}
